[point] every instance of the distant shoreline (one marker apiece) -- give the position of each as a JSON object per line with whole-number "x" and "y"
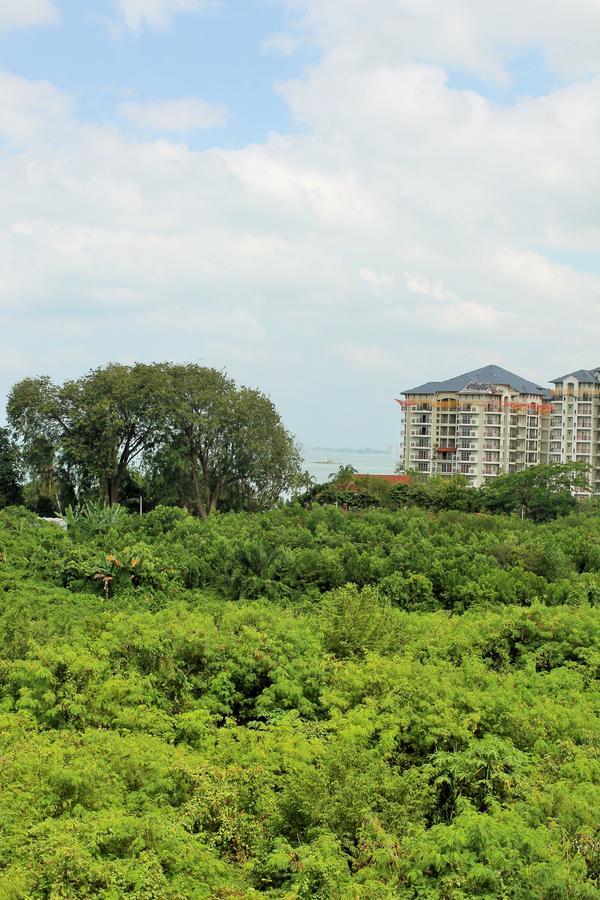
{"x": 322, "y": 462}
{"x": 346, "y": 450}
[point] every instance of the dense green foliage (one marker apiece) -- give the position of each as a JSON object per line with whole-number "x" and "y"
{"x": 181, "y": 434}
{"x": 188, "y": 436}
{"x": 10, "y": 486}
{"x": 300, "y": 703}
{"x": 540, "y": 492}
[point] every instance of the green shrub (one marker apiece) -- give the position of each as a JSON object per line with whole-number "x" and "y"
{"x": 302, "y": 703}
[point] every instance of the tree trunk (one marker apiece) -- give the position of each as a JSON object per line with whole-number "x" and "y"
{"x": 114, "y": 484}
{"x": 214, "y": 500}
{"x": 113, "y": 489}
{"x": 197, "y": 490}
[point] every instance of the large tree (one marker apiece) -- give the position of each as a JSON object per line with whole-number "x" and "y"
{"x": 10, "y": 486}
{"x": 30, "y": 413}
{"x": 95, "y": 427}
{"x": 540, "y": 492}
{"x": 230, "y": 442}
{"x": 203, "y": 437}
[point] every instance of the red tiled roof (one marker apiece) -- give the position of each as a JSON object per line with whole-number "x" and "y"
{"x": 391, "y": 479}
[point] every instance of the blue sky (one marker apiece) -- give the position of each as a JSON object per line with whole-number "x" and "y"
{"x": 333, "y": 200}
{"x": 216, "y": 56}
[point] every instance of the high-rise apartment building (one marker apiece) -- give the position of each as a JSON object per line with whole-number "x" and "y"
{"x": 574, "y": 422}
{"x": 478, "y": 424}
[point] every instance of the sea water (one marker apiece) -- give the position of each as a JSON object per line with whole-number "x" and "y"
{"x": 322, "y": 462}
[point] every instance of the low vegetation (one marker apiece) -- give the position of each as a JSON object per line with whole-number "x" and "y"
{"x": 541, "y": 492}
{"x": 305, "y": 702}
{"x": 371, "y": 690}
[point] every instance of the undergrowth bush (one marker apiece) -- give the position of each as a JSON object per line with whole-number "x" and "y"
{"x": 302, "y": 703}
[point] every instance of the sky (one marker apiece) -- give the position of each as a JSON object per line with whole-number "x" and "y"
{"x": 334, "y": 200}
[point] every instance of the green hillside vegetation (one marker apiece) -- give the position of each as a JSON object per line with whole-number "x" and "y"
{"x": 305, "y": 702}
{"x": 541, "y": 493}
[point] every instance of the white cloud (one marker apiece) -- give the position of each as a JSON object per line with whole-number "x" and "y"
{"x": 158, "y": 14}
{"x": 469, "y": 316}
{"x": 26, "y": 13}
{"x": 281, "y": 42}
{"x": 381, "y": 284}
{"x": 176, "y": 116}
{"x": 478, "y": 35}
{"x": 11, "y": 361}
{"x": 416, "y": 229}
{"x": 31, "y": 110}
{"x": 417, "y": 284}
{"x": 368, "y": 358}
{"x": 233, "y": 323}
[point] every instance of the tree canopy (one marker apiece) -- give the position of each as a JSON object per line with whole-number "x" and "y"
{"x": 230, "y": 441}
{"x": 10, "y": 481}
{"x": 540, "y": 492}
{"x": 191, "y": 428}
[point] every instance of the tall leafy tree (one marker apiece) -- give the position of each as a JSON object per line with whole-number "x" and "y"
{"x": 539, "y": 492}
{"x": 204, "y": 437}
{"x": 231, "y": 441}
{"x": 95, "y": 426}
{"x": 10, "y": 486}
{"x": 32, "y": 407}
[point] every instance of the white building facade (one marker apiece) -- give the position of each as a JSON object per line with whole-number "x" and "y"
{"x": 574, "y": 422}
{"x": 479, "y": 424}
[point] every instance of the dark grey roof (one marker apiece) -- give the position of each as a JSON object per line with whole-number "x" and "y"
{"x": 480, "y": 387}
{"x": 587, "y": 376}
{"x": 487, "y": 375}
